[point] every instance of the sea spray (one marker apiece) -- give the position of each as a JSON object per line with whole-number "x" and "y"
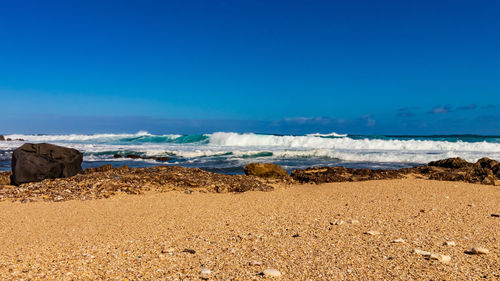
{"x": 228, "y": 151}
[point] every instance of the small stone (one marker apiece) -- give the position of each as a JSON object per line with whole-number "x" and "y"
{"x": 495, "y": 215}
{"x": 205, "y": 272}
{"x": 422, "y": 253}
{"x": 271, "y": 272}
{"x": 337, "y": 222}
{"x": 372, "y": 232}
{"x": 480, "y": 251}
{"x": 191, "y": 251}
{"x": 441, "y": 258}
{"x": 449, "y": 243}
{"x": 254, "y": 263}
{"x": 399, "y": 240}
{"x": 352, "y": 221}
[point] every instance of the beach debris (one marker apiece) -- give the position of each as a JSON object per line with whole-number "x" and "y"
{"x": 495, "y": 215}
{"x": 479, "y": 251}
{"x": 337, "y": 222}
{"x": 440, "y": 257}
{"x": 399, "y": 240}
{"x": 353, "y": 221}
{"x": 271, "y": 272}
{"x": 422, "y": 253}
{"x": 433, "y": 256}
{"x": 372, "y": 232}
{"x": 254, "y": 263}
{"x": 190, "y": 251}
{"x": 205, "y": 272}
{"x": 449, "y": 243}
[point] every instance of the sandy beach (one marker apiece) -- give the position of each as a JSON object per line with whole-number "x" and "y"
{"x": 306, "y": 232}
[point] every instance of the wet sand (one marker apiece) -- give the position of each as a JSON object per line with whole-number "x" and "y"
{"x": 297, "y": 230}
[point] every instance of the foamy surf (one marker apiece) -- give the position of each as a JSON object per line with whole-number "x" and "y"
{"x": 228, "y": 150}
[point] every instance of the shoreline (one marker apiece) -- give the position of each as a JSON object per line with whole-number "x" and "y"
{"x": 304, "y": 231}
{"x": 107, "y": 181}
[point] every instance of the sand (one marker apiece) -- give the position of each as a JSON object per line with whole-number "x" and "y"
{"x": 303, "y": 231}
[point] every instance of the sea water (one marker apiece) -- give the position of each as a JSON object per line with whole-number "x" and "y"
{"x": 228, "y": 152}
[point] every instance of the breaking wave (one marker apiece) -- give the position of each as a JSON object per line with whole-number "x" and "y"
{"x": 226, "y": 149}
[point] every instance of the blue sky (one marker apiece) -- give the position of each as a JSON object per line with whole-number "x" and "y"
{"x": 366, "y": 67}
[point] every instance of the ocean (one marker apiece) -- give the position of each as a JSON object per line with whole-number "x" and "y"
{"x": 226, "y": 152}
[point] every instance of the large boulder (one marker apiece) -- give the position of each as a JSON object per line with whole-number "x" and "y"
{"x": 36, "y": 162}
{"x": 2, "y": 138}
{"x": 265, "y": 170}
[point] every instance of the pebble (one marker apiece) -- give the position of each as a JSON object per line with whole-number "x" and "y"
{"x": 480, "y": 251}
{"x": 254, "y": 263}
{"x": 372, "y": 232}
{"x": 441, "y": 258}
{"x": 495, "y": 215}
{"x": 337, "y": 222}
{"x": 449, "y": 243}
{"x": 422, "y": 253}
{"x": 271, "y": 272}
{"x": 191, "y": 251}
{"x": 205, "y": 272}
{"x": 399, "y": 240}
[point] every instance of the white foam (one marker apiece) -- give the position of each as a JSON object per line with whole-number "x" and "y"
{"x": 255, "y": 140}
{"x": 243, "y": 146}
{"x": 327, "y": 135}
{"x": 83, "y": 138}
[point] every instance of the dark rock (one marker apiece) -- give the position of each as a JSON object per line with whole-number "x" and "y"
{"x": 158, "y": 158}
{"x": 265, "y": 170}
{"x": 5, "y": 178}
{"x": 489, "y": 164}
{"x": 2, "y": 138}
{"x": 103, "y": 168}
{"x": 9, "y": 139}
{"x": 489, "y": 180}
{"x": 36, "y": 162}
{"x": 133, "y": 156}
{"x": 342, "y": 174}
{"x": 485, "y": 171}
{"x": 452, "y": 163}
{"x": 117, "y": 156}
{"x": 190, "y": 251}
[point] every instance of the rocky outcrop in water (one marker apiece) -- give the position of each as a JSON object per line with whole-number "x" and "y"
{"x": 36, "y": 162}
{"x": 2, "y": 138}
{"x": 484, "y": 171}
{"x": 135, "y": 156}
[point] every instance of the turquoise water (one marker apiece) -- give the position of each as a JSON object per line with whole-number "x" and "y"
{"x": 227, "y": 152}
